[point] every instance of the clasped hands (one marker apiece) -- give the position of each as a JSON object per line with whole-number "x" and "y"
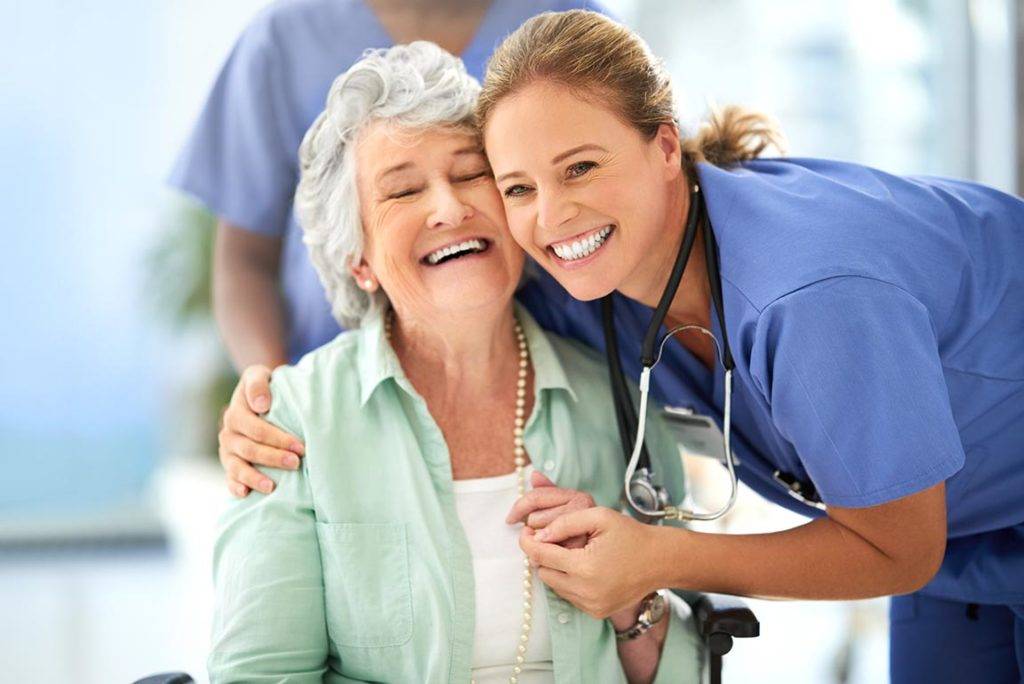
{"x": 594, "y": 557}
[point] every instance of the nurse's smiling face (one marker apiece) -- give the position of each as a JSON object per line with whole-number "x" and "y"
{"x": 585, "y": 193}
{"x": 435, "y": 232}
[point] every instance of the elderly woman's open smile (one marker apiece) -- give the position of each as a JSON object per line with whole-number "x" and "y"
{"x": 433, "y": 221}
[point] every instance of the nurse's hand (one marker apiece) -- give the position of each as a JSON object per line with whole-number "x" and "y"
{"x": 607, "y": 576}
{"x": 246, "y": 439}
{"x": 547, "y": 501}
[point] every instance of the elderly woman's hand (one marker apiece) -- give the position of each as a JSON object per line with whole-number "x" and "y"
{"x": 246, "y": 439}
{"x": 539, "y": 507}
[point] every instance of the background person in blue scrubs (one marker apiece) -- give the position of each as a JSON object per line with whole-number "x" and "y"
{"x": 241, "y": 162}
{"x": 877, "y": 324}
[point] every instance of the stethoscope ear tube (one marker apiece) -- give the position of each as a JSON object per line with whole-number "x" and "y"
{"x": 675, "y": 277}
{"x": 715, "y": 283}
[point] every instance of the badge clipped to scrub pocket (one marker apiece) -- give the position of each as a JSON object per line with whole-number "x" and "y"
{"x": 696, "y": 435}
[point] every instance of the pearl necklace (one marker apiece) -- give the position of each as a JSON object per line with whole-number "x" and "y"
{"x": 520, "y": 462}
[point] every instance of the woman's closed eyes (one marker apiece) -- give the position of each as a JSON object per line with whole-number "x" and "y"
{"x": 410, "y": 191}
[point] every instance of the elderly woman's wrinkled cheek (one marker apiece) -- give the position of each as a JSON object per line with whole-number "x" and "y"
{"x": 380, "y": 224}
{"x": 392, "y": 229}
{"x": 405, "y": 287}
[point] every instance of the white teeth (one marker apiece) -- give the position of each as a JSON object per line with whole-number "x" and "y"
{"x": 467, "y": 246}
{"x": 579, "y": 249}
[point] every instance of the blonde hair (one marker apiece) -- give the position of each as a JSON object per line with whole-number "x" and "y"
{"x": 603, "y": 61}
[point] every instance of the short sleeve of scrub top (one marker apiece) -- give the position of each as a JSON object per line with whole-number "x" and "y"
{"x": 851, "y": 370}
{"x": 240, "y": 161}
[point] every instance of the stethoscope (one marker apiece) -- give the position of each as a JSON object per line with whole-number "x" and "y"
{"x": 649, "y": 500}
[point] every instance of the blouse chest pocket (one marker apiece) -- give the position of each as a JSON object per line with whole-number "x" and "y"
{"x": 367, "y": 588}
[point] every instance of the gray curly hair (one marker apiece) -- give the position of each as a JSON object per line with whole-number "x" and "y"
{"x": 414, "y": 86}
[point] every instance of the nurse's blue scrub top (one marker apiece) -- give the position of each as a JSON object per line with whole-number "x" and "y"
{"x": 877, "y": 324}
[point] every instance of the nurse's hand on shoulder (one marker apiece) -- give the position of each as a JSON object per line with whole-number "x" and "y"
{"x": 246, "y": 439}
{"x": 603, "y": 577}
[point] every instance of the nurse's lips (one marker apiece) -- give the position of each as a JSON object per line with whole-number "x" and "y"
{"x": 581, "y": 248}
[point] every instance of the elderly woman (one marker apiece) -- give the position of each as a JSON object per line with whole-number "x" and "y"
{"x": 388, "y": 554}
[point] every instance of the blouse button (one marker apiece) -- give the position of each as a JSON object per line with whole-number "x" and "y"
{"x": 563, "y": 618}
{"x": 549, "y": 465}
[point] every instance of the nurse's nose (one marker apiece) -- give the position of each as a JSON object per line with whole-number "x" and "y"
{"x": 554, "y": 209}
{"x": 448, "y": 209}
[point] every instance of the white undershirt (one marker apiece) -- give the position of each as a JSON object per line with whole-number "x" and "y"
{"x": 482, "y": 505}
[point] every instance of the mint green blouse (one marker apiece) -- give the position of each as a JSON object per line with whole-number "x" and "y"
{"x": 356, "y": 567}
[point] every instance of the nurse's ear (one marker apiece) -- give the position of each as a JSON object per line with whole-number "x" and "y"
{"x": 364, "y": 277}
{"x": 668, "y": 151}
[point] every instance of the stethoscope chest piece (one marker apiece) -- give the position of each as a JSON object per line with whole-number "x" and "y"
{"x": 647, "y": 495}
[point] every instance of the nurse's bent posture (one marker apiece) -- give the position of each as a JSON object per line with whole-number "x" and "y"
{"x": 877, "y": 324}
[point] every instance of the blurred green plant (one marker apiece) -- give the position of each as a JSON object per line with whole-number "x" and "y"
{"x": 180, "y": 266}
{"x": 179, "y": 283}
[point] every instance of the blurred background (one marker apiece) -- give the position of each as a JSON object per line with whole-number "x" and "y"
{"x": 113, "y": 374}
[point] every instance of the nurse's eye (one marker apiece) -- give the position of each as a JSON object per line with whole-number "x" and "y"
{"x": 579, "y": 169}
{"x": 513, "y": 191}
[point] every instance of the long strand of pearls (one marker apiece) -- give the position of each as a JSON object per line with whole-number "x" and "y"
{"x": 520, "y": 462}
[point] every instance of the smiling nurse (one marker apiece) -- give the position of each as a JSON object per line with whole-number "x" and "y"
{"x": 877, "y": 324}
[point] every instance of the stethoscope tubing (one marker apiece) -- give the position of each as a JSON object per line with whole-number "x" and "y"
{"x": 648, "y": 360}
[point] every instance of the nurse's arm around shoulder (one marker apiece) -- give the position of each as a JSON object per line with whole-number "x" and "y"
{"x": 854, "y": 553}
